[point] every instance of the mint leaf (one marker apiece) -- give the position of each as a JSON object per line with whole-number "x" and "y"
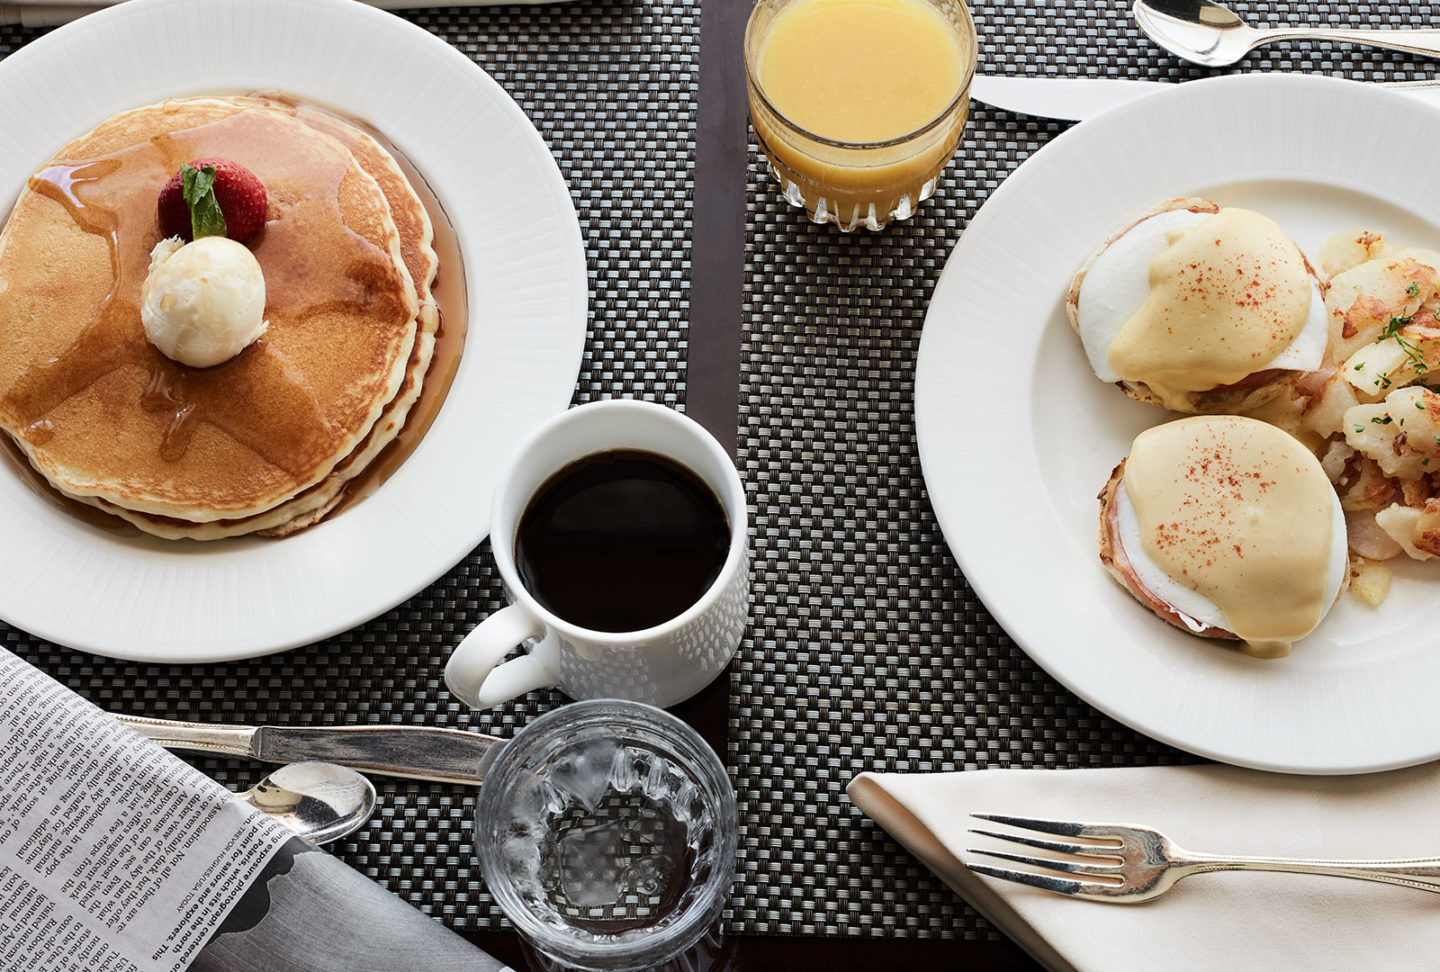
{"x": 198, "y": 188}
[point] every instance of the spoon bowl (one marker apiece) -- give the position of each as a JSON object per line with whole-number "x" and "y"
{"x": 321, "y": 802}
{"x": 1199, "y": 31}
{"x": 1210, "y": 33}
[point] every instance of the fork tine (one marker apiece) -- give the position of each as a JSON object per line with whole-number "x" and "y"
{"x": 1084, "y": 850}
{"x": 1065, "y": 828}
{"x": 1045, "y": 882}
{"x": 1069, "y": 867}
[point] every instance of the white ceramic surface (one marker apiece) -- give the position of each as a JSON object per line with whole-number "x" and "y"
{"x": 1016, "y": 436}
{"x": 146, "y": 599}
{"x": 662, "y": 665}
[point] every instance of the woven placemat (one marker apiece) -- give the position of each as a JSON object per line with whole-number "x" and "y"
{"x": 611, "y": 87}
{"x": 871, "y": 652}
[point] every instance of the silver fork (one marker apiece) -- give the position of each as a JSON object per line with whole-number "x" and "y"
{"x": 1128, "y": 863}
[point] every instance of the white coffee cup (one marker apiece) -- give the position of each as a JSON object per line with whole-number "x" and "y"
{"x": 661, "y": 665}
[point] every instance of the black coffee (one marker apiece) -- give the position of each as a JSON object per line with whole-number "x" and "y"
{"x": 620, "y": 541}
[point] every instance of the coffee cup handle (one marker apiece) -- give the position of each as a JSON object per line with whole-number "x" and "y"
{"x": 474, "y": 673}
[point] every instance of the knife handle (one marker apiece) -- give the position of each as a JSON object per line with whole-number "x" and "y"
{"x": 409, "y": 752}
{"x": 207, "y": 737}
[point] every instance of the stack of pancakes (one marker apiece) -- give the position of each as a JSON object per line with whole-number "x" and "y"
{"x": 268, "y": 441}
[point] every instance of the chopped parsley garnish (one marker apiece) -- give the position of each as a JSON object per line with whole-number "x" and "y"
{"x": 1413, "y": 290}
{"x": 1392, "y": 330}
{"x": 1382, "y": 420}
{"x": 1360, "y": 366}
{"x": 1395, "y": 324}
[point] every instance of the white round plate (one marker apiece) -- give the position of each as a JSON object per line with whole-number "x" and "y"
{"x": 151, "y": 600}
{"x": 1017, "y": 436}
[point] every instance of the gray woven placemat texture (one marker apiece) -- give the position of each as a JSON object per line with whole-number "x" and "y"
{"x": 871, "y": 652}
{"x": 611, "y": 87}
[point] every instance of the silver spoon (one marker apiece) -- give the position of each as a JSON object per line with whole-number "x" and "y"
{"x": 319, "y": 801}
{"x": 1212, "y": 34}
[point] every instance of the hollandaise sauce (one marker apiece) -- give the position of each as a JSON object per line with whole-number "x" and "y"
{"x": 1227, "y": 296}
{"x": 1242, "y": 513}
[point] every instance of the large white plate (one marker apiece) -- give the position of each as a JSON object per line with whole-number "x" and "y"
{"x": 525, "y": 277}
{"x": 1017, "y": 436}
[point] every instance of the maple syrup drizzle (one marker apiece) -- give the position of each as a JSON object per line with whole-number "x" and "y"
{"x": 260, "y": 397}
{"x": 447, "y": 291}
{"x": 164, "y": 392}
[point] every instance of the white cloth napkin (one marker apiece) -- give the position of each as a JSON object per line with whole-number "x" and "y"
{"x": 1230, "y": 920}
{"x": 29, "y": 13}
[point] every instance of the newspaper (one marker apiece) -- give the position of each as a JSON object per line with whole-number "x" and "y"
{"x": 116, "y": 855}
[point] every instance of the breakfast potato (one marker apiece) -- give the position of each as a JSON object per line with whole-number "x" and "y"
{"x": 1349, "y": 248}
{"x": 1364, "y": 300}
{"x": 1363, "y": 486}
{"x": 1404, "y": 355}
{"x": 1402, "y": 433}
{"x": 1367, "y": 540}
{"x": 1324, "y": 411}
{"x": 1416, "y": 530}
{"x": 1369, "y": 581}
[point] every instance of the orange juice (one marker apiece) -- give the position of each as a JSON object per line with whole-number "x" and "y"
{"x": 859, "y": 104}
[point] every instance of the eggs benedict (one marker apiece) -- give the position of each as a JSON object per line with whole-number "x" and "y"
{"x": 1200, "y": 309}
{"x": 1226, "y": 527}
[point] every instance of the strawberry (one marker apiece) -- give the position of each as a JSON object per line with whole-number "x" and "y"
{"x": 232, "y": 204}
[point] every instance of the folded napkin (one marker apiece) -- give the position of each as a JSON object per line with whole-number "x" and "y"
{"x": 1226, "y": 920}
{"x": 29, "y": 13}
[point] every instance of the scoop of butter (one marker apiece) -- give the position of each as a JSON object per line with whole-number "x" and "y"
{"x": 203, "y": 302}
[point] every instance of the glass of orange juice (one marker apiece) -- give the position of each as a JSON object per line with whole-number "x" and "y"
{"x": 858, "y": 104}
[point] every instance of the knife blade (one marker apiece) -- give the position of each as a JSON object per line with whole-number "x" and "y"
{"x": 412, "y": 752}
{"x": 1076, "y": 99}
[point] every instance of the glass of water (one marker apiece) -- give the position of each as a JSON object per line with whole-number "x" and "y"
{"x": 606, "y": 831}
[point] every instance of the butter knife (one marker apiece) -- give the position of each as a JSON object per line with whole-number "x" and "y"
{"x": 412, "y": 752}
{"x": 1075, "y": 99}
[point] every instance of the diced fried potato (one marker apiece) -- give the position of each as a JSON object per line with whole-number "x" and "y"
{"x": 1400, "y": 523}
{"x": 1365, "y": 487}
{"x": 1416, "y": 530}
{"x": 1369, "y": 581}
{"x": 1325, "y": 411}
{"x": 1419, "y": 254}
{"x": 1366, "y": 539}
{"x": 1426, "y": 536}
{"x": 1335, "y": 459}
{"x": 1362, "y": 301}
{"x": 1414, "y": 492}
{"x": 1409, "y": 354}
{"x": 1349, "y": 248}
{"x": 1402, "y": 433}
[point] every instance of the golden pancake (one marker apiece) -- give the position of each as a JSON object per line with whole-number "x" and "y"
{"x": 104, "y": 415}
{"x": 416, "y": 233}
